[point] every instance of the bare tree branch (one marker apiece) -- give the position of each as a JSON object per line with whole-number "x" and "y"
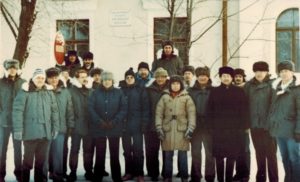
{"x": 10, "y": 22}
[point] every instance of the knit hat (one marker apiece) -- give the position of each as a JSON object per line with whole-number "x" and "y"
{"x": 226, "y": 70}
{"x": 176, "y": 78}
{"x": 129, "y": 72}
{"x": 188, "y": 68}
{"x": 260, "y": 66}
{"x": 239, "y": 71}
{"x": 107, "y": 75}
{"x": 167, "y": 42}
{"x": 285, "y": 65}
{"x": 143, "y": 65}
{"x": 88, "y": 55}
{"x": 72, "y": 53}
{"x": 38, "y": 72}
{"x": 51, "y": 72}
{"x": 160, "y": 72}
{"x": 11, "y": 63}
{"x": 202, "y": 71}
{"x": 95, "y": 71}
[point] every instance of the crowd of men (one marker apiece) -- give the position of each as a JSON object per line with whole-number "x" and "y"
{"x": 171, "y": 106}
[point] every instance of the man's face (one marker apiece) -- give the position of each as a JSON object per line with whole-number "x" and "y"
{"x": 238, "y": 79}
{"x": 87, "y": 62}
{"x": 53, "y": 81}
{"x": 39, "y": 81}
{"x": 97, "y": 78}
{"x": 260, "y": 75}
{"x": 161, "y": 80}
{"x": 226, "y": 79}
{"x": 286, "y": 75}
{"x": 188, "y": 76}
{"x": 175, "y": 86}
{"x": 143, "y": 72}
{"x": 72, "y": 58}
{"x": 202, "y": 79}
{"x": 107, "y": 83}
{"x": 82, "y": 78}
{"x": 12, "y": 71}
{"x": 168, "y": 50}
{"x": 129, "y": 80}
{"x": 65, "y": 74}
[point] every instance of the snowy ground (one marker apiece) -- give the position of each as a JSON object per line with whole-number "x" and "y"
{"x": 10, "y": 177}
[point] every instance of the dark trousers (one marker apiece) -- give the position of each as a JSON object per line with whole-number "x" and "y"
{"x": 114, "y": 157}
{"x": 265, "y": 149}
{"x": 37, "y": 150}
{"x": 220, "y": 163}
{"x": 199, "y": 137}
{"x": 87, "y": 152}
{"x": 4, "y": 138}
{"x": 243, "y": 159}
{"x": 65, "y": 155}
{"x": 152, "y": 144}
{"x": 56, "y": 157}
{"x": 168, "y": 164}
{"x": 133, "y": 153}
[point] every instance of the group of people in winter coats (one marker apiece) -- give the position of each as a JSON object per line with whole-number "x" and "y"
{"x": 172, "y": 107}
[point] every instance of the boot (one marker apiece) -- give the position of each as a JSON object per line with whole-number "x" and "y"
{"x": 140, "y": 179}
{"x": 168, "y": 180}
{"x": 184, "y": 180}
{"x": 26, "y": 176}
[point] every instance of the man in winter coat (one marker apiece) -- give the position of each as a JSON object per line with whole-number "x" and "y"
{"x": 143, "y": 75}
{"x": 242, "y": 166}
{"x": 108, "y": 109}
{"x": 10, "y": 84}
{"x": 259, "y": 93}
{"x": 284, "y": 119}
{"x": 152, "y": 142}
{"x": 80, "y": 93}
{"x": 71, "y": 63}
{"x": 202, "y": 134}
{"x": 188, "y": 76}
{"x": 132, "y": 139}
{"x": 36, "y": 122}
{"x": 175, "y": 121}
{"x": 88, "y": 61}
{"x": 227, "y": 112}
{"x": 170, "y": 62}
{"x": 95, "y": 73}
{"x": 66, "y": 123}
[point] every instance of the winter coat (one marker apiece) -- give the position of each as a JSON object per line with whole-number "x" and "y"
{"x": 88, "y": 69}
{"x": 80, "y": 94}
{"x": 72, "y": 67}
{"x": 227, "y": 112}
{"x": 107, "y": 105}
{"x": 173, "y": 65}
{"x": 154, "y": 92}
{"x": 175, "y": 116}
{"x": 284, "y": 116}
{"x": 200, "y": 98}
{"x": 259, "y": 97}
{"x": 142, "y": 82}
{"x": 35, "y": 112}
{"x": 65, "y": 108}
{"x": 137, "y": 108}
{"x": 8, "y": 91}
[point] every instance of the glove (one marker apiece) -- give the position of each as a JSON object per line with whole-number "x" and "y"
{"x": 103, "y": 125}
{"x": 18, "y": 135}
{"x": 69, "y": 131}
{"x": 110, "y": 125}
{"x": 54, "y": 134}
{"x": 297, "y": 137}
{"x": 188, "y": 134}
{"x": 161, "y": 134}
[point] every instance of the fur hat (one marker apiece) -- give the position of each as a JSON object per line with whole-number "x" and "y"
{"x": 38, "y": 72}
{"x": 260, "y": 66}
{"x": 143, "y": 65}
{"x": 286, "y": 65}
{"x": 239, "y": 71}
{"x": 72, "y": 53}
{"x": 226, "y": 70}
{"x": 107, "y": 75}
{"x": 9, "y": 63}
{"x": 51, "y": 72}
{"x": 95, "y": 71}
{"x": 167, "y": 42}
{"x": 202, "y": 71}
{"x": 88, "y": 55}
{"x": 188, "y": 68}
{"x": 160, "y": 72}
{"x": 176, "y": 78}
{"x": 129, "y": 72}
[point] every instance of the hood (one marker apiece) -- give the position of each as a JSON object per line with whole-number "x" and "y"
{"x": 29, "y": 86}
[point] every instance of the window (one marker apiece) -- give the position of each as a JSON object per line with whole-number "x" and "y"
{"x": 76, "y": 34}
{"x": 161, "y": 32}
{"x": 287, "y": 37}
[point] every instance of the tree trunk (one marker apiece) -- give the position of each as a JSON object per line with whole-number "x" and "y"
{"x": 27, "y": 18}
{"x": 189, "y": 9}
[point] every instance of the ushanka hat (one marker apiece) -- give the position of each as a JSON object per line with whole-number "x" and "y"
{"x": 11, "y": 63}
{"x": 226, "y": 70}
{"x": 160, "y": 72}
{"x": 202, "y": 71}
{"x": 285, "y": 65}
{"x": 260, "y": 66}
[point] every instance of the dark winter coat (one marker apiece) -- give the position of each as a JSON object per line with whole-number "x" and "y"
{"x": 86, "y": 69}
{"x": 72, "y": 67}
{"x": 35, "y": 112}
{"x": 8, "y": 91}
{"x": 173, "y": 65}
{"x": 259, "y": 97}
{"x": 154, "y": 92}
{"x": 284, "y": 116}
{"x": 142, "y": 82}
{"x": 200, "y": 98}
{"x": 65, "y": 108}
{"x": 137, "y": 108}
{"x": 227, "y": 112}
{"x": 107, "y": 105}
{"x": 80, "y": 94}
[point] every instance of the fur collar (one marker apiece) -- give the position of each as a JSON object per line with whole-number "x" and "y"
{"x": 76, "y": 83}
{"x": 26, "y": 86}
{"x": 19, "y": 72}
{"x": 296, "y": 82}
